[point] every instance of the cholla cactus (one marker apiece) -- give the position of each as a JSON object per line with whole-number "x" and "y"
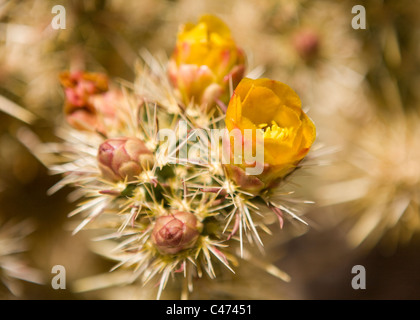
{"x": 379, "y": 181}
{"x": 13, "y": 267}
{"x": 155, "y": 177}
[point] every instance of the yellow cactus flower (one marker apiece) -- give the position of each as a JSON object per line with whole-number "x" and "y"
{"x": 272, "y": 111}
{"x": 204, "y": 61}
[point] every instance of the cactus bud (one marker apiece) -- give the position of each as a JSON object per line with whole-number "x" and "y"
{"x": 307, "y": 43}
{"x": 79, "y": 88}
{"x": 204, "y": 62}
{"x": 123, "y": 158}
{"x": 176, "y": 232}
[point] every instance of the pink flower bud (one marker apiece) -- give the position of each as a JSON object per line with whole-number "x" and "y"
{"x": 176, "y": 232}
{"x": 123, "y": 158}
{"x": 306, "y": 43}
{"x": 79, "y": 88}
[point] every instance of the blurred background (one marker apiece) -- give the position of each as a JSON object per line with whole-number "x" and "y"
{"x": 360, "y": 86}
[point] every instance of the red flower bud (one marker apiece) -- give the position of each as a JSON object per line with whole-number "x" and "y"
{"x": 176, "y": 232}
{"x": 123, "y": 158}
{"x": 79, "y": 88}
{"x": 306, "y": 43}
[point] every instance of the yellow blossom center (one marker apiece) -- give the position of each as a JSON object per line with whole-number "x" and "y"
{"x": 275, "y": 131}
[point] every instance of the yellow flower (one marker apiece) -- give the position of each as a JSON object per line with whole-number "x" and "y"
{"x": 273, "y": 110}
{"x": 204, "y": 60}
